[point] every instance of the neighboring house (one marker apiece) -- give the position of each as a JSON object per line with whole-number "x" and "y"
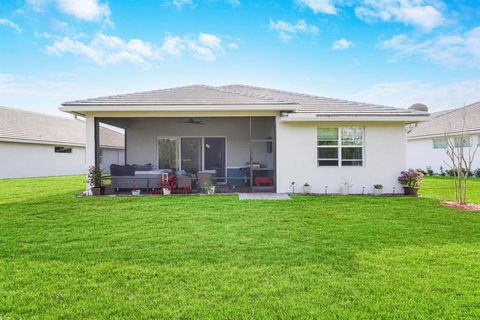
{"x": 35, "y": 145}
{"x": 257, "y": 139}
{"x": 427, "y": 141}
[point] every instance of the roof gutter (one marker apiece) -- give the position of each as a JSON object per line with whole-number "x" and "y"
{"x": 375, "y": 117}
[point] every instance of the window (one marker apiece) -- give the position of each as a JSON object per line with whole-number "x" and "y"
{"x": 63, "y": 150}
{"x": 439, "y": 143}
{"x": 340, "y": 146}
{"x": 458, "y": 141}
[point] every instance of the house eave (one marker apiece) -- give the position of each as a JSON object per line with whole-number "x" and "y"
{"x": 43, "y": 142}
{"x": 83, "y": 108}
{"x": 371, "y": 117}
{"x": 443, "y": 134}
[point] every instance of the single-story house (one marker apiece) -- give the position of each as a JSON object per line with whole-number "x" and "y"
{"x": 427, "y": 141}
{"x": 36, "y": 145}
{"x": 256, "y": 139}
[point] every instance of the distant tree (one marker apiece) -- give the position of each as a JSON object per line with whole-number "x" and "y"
{"x": 461, "y": 155}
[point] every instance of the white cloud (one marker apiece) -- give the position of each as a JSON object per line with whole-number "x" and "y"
{"x": 210, "y": 40}
{"x": 179, "y": 4}
{"x": 104, "y": 49}
{"x": 89, "y": 10}
{"x": 425, "y": 14}
{"x": 173, "y": 46}
{"x": 287, "y": 30}
{"x": 234, "y": 3}
{"x": 342, "y": 44}
{"x": 436, "y": 97}
{"x": 319, "y": 6}
{"x": 447, "y": 50}
{"x": 10, "y": 24}
{"x": 232, "y": 45}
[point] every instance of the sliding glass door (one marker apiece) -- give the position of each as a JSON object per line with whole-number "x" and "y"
{"x": 191, "y": 154}
{"x": 214, "y": 154}
{"x": 168, "y": 153}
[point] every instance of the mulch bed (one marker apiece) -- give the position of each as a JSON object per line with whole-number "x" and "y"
{"x": 458, "y": 206}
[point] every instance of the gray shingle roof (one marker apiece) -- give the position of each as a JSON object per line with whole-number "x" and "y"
{"x": 188, "y": 95}
{"x": 34, "y": 127}
{"x": 449, "y": 122}
{"x": 234, "y": 95}
{"x": 308, "y": 103}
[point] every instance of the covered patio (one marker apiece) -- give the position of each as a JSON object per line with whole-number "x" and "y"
{"x": 235, "y": 154}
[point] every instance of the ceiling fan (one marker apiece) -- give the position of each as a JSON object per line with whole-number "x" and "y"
{"x": 193, "y": 121}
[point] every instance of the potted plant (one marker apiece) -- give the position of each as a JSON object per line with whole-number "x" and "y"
{"x": 94, "y": 179}
{"x": 166, "y": 188}
{"x": 208, "y": 187}
{"x": 345, "y": 189}
{"x": 135, "y": 191}
{"x": 377, "y": 189}
{"x": 411, "y": 180}
{"x": 307, "y": 189}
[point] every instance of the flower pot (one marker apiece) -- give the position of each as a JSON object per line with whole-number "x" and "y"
{"x": 410, "y": 191}
{"x": 377, "y": 192}
{"x": 136, "y": 192}
{"x": 96, "y": 191}
{"x": 307, "y": 189}
{"x": 166, "y": 191}
{"x": 211, "y": 190}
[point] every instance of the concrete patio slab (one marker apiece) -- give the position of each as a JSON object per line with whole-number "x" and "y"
{"x": 263, "y": 196}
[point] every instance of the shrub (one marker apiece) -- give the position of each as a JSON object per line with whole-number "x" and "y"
{"x": 94, "y": 177}
{"x": 477, "y": 173}
{"x": 430, "y": 171}
{"x": 411, "y": 178}
{"x": 442, "y": 172}
{"x": 422, "y": 171}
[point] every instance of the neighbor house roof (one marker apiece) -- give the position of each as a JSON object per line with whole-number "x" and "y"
{"x": 18, "y": 125}
{"x": 230, "y": 98}
{"x": 449, "y": 122}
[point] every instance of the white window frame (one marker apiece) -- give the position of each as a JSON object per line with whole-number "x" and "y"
{"x": 339, "y": 147}
{"x": 440, "y": 138}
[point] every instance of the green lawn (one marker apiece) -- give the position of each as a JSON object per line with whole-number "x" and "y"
{"x": 442, "y": 188}
{"x": 216, "y": 257}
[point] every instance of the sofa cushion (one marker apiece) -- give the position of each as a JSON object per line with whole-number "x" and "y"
{"x": 143, "y": 167}
{"x": 118, "y": 170}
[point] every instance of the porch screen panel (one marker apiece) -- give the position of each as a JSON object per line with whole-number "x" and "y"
{"x": 168, "y": 153}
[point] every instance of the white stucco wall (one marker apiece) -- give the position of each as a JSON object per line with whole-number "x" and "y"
{"x": 25, "y": 160}
{"x": 384, "y": 158}
{"x": 421, "y": 154}
{"x": 22, "y": 160}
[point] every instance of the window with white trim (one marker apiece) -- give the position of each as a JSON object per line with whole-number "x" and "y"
{"x": 341, "y": 146}
{"x": 440, "y": 143}
{"x": 467, "y": 141}
{"x": 62, "y": 150}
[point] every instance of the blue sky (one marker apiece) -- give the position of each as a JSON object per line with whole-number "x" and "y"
{"x": 392, "y": 52}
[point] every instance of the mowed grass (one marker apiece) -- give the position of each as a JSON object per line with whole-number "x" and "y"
{"x": 442, "y": 188}
{"x": 216, "y": 257}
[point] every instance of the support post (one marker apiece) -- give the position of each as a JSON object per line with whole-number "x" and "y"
{"x": 90, "y": 145}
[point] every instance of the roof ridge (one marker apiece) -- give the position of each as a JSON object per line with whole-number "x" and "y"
{"x": 254, "y": 95}
{"x": 450, "y": 111}
{"x": 308, "y": 95}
